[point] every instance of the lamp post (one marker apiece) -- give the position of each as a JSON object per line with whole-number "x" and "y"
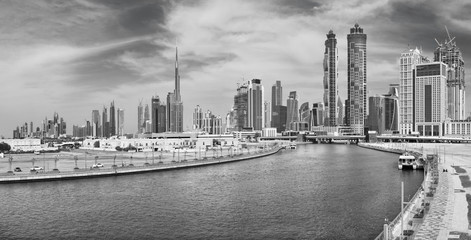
{"x": 56, "y": 158}
{"x": 76, "y": 159}
{"x": 10, "y": 161}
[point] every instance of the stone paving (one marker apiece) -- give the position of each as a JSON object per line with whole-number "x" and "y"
{"x": 436, "y": 222}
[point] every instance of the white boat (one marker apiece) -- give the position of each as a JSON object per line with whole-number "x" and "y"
{"x": 292, "y": 146}
{"x": 408, "y": 160}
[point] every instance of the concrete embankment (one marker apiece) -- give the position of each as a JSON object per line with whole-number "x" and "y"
{"x": 54, "y": 176}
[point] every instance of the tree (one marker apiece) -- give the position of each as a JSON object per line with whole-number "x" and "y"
{"x": 4, "y": 147}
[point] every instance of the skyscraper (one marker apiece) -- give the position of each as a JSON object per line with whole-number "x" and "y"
{"x": 276, "y": 101}
{"x": 317, "y": 114}
{"x": 140, "y": 118}
{"x": 267, "y": 114}
{"x": 174, "y": 103}
{"x": 120, "y": 122}
{"x": 305, "y": 113}
{"x": 255, "y": 111}
{"x": 159, "y": 116}
{"x": 112, "y": 120}
{"x": 198, "y": 118}
{"x": 430, "y": 98}
{"x": 409, "y": 59}
{"x": 277, "y": 94}
{"x": 448, "y": 53}
{"x": 146, "y": 113}
{"x": 241, "y": 107}
{"x": 356, "y": 108}
{"x": 291, "y": 109}
{"x": 105, "y": 129}
{"x": 330, "y": 79}
{"x": 96, "y": 128}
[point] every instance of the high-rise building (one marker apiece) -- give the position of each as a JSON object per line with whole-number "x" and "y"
{"x": 174, "y": 104}
{"x": 409, "y": 59}
{"x": 305, "y": 113}
{"x": 317, "y": 114}
{"x": 391, "y": 109}
{"x": 146, "y": 113}
{"x": 277, "y": 94}
{"x": 330, "y": 79}
{"x": 277, "y": 100}
{"x": 340, "y": 111}
{"x": 241, "y": 107}
{"x": 255, "y": 113}
{"x": 291, "y": 110}
{"x": 159, "y": 116}
{"x": 112, "y": 120}
{"x": 448, "y": 53}
{"x": 267, "y": 114}
{"x": 430, "y": 98}
{"x": 198, "y": 118}
{"x": 96, "y": 123}
{"x": 105, "y": 129}
{"x": 140, "y": 118}
{"x": 356, "y": 108}
{"x": 279, "y": 117}
{"x": 120, "y": 124}
{"x": 211, "y": 124}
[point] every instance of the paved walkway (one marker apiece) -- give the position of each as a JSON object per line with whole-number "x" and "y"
{"x": 436, "y": 222}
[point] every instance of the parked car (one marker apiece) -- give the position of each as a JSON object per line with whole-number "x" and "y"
{"x": 17, "y": 169}
{"x": 98, "y": 165}
{"x": 36, "y": 168}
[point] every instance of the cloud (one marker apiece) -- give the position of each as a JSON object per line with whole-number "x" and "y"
{"x": 75, "y": 56}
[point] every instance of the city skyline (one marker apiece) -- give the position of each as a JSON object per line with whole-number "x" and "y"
{"x": 84, "y": 54}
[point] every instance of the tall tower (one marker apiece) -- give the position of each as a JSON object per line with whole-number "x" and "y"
{"x": 96, "y": 123}
{"x": 409, "y": 59}
{"x": 277, "y": 120}
{"x": 159, "y": 116}
{"x": 112, "y": 119}
{"x": 330, "y": 79}
{"x": 255, "y": 105}
{"x": 140, "y": 118}
{"x": 105, "y": 129}
{"x": 448, "y": 53}
{"x": 120, "y": 122}
{"x": 430, "y": 98}
{"x": 292, "y": 110}
{"x": 356, "y": 108}
{"x": 198, "y": 118}
{"x": 174, "y": 103}
{"x": 241, "y": 107}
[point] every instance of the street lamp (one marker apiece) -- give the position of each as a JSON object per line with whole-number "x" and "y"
{"x": 75, "y": 159}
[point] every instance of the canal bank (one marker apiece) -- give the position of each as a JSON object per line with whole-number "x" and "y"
{"x": 445, "y": 200}
{"x": 116, "y": 171}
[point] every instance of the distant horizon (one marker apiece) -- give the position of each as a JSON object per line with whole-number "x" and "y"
{"x": 78, "y": 56}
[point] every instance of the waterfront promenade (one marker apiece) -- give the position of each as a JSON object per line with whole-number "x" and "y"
{"x": 146, "y": 167}
{"x": 448, "y": 215}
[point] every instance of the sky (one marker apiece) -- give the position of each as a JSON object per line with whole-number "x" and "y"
{"x": 72, "y": 57}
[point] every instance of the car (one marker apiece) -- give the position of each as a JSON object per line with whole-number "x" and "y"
{"x": 36, "y": 168}
{"x": 17, "y": 169}
{"x": 98, "y": 165}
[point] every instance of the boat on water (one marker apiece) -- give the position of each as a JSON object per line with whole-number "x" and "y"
{"x": 409, "y": 161}
{"x": 292, "y": 146}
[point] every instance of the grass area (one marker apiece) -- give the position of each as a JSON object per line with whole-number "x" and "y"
{"x": 459, "y": 169}
{"x": 465, "y": 182}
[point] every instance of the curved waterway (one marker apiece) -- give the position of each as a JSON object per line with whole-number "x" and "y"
{"x": 314, "y": 192}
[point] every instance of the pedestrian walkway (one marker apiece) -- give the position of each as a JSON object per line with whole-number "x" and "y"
{"x": 436, "y": 222}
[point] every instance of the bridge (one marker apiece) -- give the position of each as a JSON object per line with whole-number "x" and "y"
{"x": 332, "y": 138}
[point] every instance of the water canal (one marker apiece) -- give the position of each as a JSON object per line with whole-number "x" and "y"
{"x": 317, "y": 192}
